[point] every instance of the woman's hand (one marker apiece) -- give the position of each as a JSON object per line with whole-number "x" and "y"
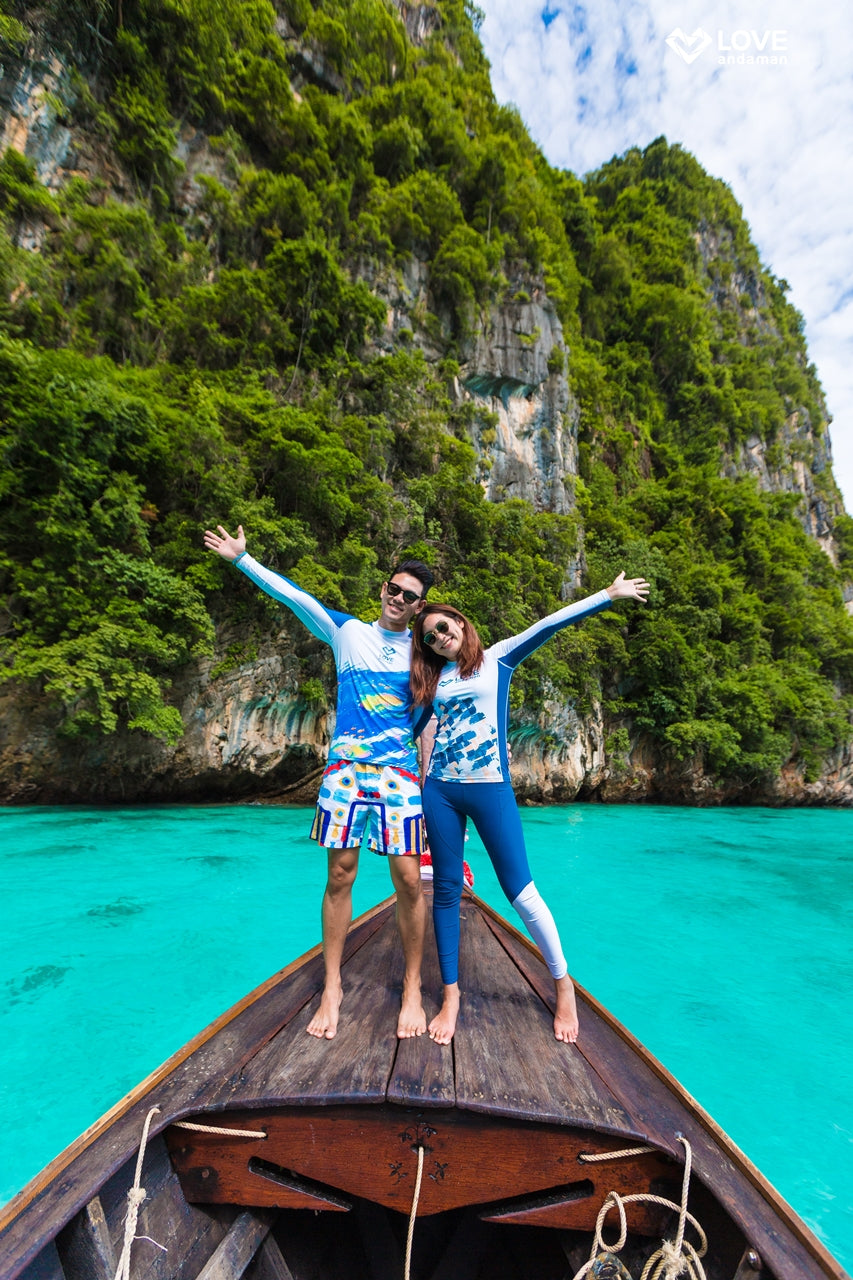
{"x": 224, "y": 544}
{"x": 623, "y": 588}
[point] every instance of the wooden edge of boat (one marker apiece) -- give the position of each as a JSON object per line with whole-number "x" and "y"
{"x": 32, "y": 1189}
{"x": 766, "y": 1188}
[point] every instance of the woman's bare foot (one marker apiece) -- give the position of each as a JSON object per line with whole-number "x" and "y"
{"x": 412, "y": 1019}
{"x": 443, "y": 1025}
{"x": 566, "y": 1017}
{"x": 324, "y": 1024}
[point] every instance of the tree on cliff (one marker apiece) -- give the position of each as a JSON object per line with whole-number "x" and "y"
{"x": 194, "y": 321}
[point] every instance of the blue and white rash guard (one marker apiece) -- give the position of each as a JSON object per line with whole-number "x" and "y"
{"x": 473, "y": 714}
{"x": 375, "y": 713}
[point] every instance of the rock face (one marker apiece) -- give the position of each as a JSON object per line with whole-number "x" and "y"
{"x": 30, "y": 122}
{"x": 512, "y": 372}
{"x": 642, "y": 776}
{"x": 247, "y": 732}
{"x": 801, "y": 451}
{"x": 798, "y": 456}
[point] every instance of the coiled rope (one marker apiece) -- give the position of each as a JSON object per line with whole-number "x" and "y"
{"x": 414, "y": 1213}
{"x": 675, "y": 1257}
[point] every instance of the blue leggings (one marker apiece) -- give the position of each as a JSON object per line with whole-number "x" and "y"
{"x": 493, "y": 808}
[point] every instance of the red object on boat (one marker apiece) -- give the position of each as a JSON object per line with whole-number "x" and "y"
{"x": 426, "y": 870}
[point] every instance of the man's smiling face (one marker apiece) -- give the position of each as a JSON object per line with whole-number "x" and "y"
{"x": 402, "y": 597}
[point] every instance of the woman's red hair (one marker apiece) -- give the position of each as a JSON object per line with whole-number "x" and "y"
{"x": 427, "y": 665}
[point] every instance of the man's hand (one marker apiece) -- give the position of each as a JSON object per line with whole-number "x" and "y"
{"x": 623, "y": 588}
{"x": 224, "y": 544}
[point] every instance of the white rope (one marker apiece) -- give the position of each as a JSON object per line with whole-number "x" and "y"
{"x": 226, "y": 1133}
{"x": 590, "y": 1157}
{"x": 673, "y": 1258}
{"x": 135, "y": 1197}
{"x": 414, "y": 1213}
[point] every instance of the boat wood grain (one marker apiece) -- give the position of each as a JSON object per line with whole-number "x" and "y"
{"x": 234, "y": 1253}
{"x": 423, "y": 1074}
{"x": 84, "y": 1245}
{"x": 166, "y": 1218}
{"x": 507, "y": 1060}
{"x": 270, "y": 1263}
{"x": 372, "y": 1153}
{"x": 661, "y": 1106}
{"x": 297, "y": 1068}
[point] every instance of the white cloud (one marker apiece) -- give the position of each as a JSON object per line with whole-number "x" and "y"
{"x": 599, "y": 78}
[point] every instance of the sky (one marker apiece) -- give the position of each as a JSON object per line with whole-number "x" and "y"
{"x": 593, "y": 79}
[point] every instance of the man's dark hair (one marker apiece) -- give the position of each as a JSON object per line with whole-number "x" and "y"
{"x": 416, "y": 569}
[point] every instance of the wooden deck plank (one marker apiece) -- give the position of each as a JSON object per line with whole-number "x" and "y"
{"x": 507, "y": 1060}
{"x": 295, "y": 1068}
{"x": 423, "y": 1071}
{"x": 656, "y": 1103}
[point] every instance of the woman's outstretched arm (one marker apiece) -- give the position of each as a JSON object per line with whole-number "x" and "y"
{"x": 516, "y": 648}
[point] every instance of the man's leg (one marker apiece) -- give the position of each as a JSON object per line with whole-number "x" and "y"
{"x": 411, "y": 921}
{"x": 336, "y": 917}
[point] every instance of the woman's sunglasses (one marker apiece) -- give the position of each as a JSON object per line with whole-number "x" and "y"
{"x": 394, "y": 590}
{"x": 440, "y": 628}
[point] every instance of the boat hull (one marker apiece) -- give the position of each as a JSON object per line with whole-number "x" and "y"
{"x": 270, "y": 1154}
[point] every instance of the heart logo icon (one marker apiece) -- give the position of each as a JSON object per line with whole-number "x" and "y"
{"x": 688, "y": 47}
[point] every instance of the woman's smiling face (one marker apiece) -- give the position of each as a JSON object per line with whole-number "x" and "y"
{"x": 443, "y": 634}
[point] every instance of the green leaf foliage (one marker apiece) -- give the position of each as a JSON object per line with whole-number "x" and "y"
{"x": 208, "y": 340}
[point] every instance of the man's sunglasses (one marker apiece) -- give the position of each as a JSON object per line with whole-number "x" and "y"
{"x": 409, "y": 596}
{"x": 440, "y": 628}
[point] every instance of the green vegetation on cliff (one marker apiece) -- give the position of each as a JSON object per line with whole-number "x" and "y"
{"x": 198, "y": 335}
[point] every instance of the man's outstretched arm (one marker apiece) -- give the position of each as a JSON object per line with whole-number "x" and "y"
{"x": 320, "y": 621}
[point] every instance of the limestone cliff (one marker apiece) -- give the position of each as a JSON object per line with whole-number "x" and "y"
{"x": 248, "y": 728}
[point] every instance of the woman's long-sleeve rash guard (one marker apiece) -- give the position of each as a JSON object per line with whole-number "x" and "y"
{"x": 376, "y": 720}
{"x": 473, "y": 714}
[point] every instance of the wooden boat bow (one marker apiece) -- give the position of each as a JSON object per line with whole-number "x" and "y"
{"x": 504, "y": 1117}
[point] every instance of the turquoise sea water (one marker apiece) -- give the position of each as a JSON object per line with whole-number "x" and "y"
{"x": 721, "y": 938}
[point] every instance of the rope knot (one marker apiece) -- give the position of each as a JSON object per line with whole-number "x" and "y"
{"x": 674, "y": 1261}
{"x": 135, "y": 1196}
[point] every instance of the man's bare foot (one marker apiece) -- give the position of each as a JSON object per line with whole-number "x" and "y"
{"x": 566, "y": 1017}
{"x": 412, "y": 1019}
{"x": 443, "y": 1025}
{"x": 324, "y": 1024}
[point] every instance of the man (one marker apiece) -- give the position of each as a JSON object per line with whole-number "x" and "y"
{"x": 370, "y": 789}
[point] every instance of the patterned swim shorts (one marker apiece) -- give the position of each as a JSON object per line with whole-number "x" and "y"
{"x": 369, "y": 801}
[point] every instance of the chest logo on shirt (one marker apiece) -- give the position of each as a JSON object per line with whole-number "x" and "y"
{"x": 475, "y": 675}
{"x": 389, "y": 652}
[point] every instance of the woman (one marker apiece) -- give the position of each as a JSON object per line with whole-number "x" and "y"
{"x": 468, "y": 776}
